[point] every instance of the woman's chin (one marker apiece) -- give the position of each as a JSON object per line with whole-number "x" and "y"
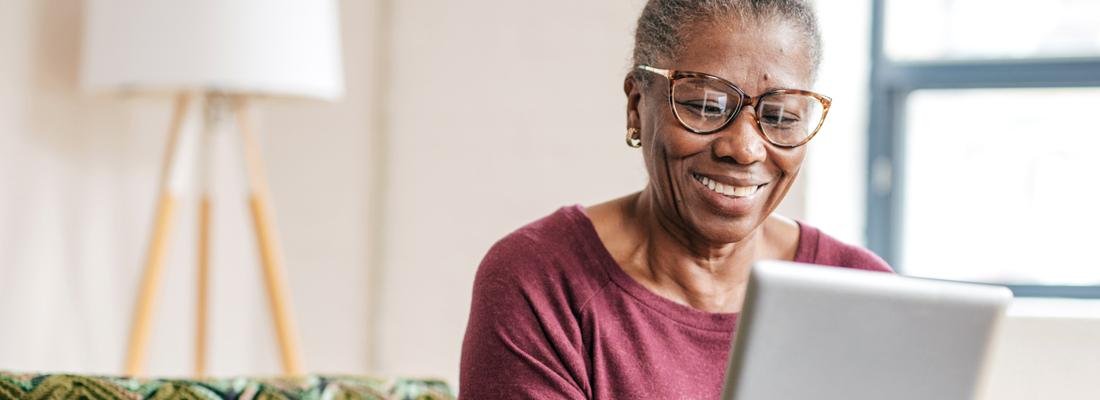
{"x": 726, "y": 230}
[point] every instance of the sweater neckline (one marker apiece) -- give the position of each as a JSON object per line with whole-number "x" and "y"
{"x": 683, "y": 314}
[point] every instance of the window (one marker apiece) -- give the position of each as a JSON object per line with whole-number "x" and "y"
{"x": 939, "y": 30}
{"x": 984, "y": 142}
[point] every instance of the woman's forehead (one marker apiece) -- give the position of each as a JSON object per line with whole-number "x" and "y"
{"x": 756, "y": 58}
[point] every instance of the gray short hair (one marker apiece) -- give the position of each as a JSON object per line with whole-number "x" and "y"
{"x": 664, "y": 25}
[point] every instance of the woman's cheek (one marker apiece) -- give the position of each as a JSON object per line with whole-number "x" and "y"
{"x": 790, "y": 162}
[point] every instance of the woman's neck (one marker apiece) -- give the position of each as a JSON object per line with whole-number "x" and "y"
{"x": 683, "y": 267}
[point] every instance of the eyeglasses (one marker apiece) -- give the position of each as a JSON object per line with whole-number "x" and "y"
{"x": 705, "y": 103}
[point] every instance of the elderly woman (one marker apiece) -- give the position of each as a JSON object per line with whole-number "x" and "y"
{"x": 638, "y": 297}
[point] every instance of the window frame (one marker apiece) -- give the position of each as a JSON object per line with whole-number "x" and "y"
{"x": 891, "y": 84}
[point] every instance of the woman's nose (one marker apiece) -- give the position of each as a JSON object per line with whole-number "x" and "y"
{"x": 740, "y": 140}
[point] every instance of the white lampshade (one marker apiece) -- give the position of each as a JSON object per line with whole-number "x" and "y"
{"x": 264, "y": 47}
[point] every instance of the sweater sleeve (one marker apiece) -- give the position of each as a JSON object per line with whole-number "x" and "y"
{"x": 522, "y": 339}
{"x": 833, "y": 252}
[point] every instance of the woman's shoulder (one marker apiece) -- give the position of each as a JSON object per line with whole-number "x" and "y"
{"x": 561, "y": 248}
{"x": 560, "y": 234}
{"x": 817, "y": 247}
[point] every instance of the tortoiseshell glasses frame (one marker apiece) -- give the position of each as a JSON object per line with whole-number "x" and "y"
{"x": 744, "y": 99}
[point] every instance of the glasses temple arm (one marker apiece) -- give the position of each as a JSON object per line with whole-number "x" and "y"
{"x": 663, "y": 72}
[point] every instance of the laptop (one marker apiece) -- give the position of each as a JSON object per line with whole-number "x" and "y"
{"x": 824, "y": 333}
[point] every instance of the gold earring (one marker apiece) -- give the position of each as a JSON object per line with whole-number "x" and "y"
{"x": 633, "y": 137}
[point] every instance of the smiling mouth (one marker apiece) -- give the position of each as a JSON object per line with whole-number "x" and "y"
{"x": 726, "y": 189}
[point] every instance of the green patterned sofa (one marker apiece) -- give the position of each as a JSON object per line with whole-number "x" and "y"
{"x": 59, "y": 386}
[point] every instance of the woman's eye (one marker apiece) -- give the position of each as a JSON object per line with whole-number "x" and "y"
{"x": 781, "y": 120}
{"x": 704, "y": 108}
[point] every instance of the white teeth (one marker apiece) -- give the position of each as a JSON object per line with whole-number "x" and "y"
{"x": 744, "y": 190}
{"x": 728, "y": 190}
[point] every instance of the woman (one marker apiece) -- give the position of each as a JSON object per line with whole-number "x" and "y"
{"x": 638, "y": 297}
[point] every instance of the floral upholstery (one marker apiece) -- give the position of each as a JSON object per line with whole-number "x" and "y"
{"x": 15, "y": 386}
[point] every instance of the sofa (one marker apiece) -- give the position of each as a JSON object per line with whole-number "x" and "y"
{"x": 20, "y": 386}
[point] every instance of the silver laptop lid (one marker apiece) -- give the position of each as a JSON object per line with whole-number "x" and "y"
{"x": 823, "y": 333}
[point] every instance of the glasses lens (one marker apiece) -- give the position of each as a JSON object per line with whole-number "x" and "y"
{"x": 702, "y": 104}
{"x": 788, "y": 119}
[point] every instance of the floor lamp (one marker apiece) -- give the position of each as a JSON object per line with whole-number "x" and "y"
{"x": 215, "y": 56}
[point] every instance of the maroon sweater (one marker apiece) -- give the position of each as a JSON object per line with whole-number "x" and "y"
{"x": 555, "y": 317}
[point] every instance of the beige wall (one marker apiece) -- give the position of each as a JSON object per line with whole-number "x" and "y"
{"x": 499, "y": 112}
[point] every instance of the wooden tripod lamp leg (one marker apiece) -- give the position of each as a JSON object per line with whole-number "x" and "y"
{"x": 203, "y": 286}
{"x": 213, "y": 108}
{"x": 270, "y": 255}
{"x": 170, "y": 190}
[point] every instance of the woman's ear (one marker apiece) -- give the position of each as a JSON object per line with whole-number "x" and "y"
{"x": 633, "y": 89}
